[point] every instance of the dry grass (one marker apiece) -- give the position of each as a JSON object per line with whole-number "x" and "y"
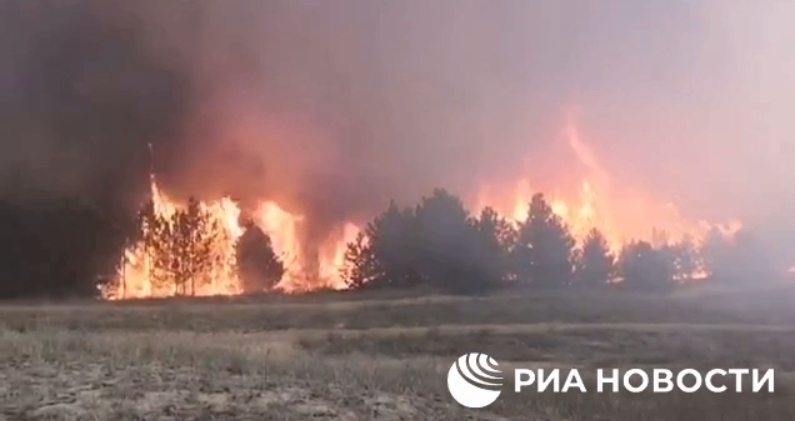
{"x": 379, "y": 358}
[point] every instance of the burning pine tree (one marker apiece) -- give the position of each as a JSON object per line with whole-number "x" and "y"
{"x": 180, "y": 250}
{"x": 180, "y": 246}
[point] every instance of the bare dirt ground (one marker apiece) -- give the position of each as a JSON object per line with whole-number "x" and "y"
{"x": 383, "y": 358}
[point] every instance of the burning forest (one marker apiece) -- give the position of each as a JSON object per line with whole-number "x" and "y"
{"x": 210, "y": 248}
{"x": 197, "y": 248}
{"x": 307, "y": 209}
{"x": 287, "y": 137}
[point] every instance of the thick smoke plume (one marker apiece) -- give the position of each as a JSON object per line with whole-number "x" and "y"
{"x": 332, "y": 108}
{"x": 81, "y": 98}
{"x": 329, "y": 108}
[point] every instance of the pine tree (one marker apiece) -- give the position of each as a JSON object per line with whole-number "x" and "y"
{"x": 180, "y": 246}
{"x": 646, "y": 268}
{"x": 194, "y": 235}
{"x": 384, "y": 254}
{"x": 496, "y": 238}
{"x": 545, "y": 248}
{"x": 155, "y": 234}
{"x": 360, "y": 267}
{"x": 258, "y": 265}
{"x": 596, "y": 263}
{"x": 450, "y": 256}
{"x": 685, "y": 259}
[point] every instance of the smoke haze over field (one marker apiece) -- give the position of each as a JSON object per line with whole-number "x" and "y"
{"x": 335, "y": 107}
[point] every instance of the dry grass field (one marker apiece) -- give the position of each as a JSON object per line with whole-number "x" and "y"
{"x": 382, "y": 358}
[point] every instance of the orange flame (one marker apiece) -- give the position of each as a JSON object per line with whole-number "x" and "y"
{"x": 136, "y": 270}
{"x": 304, "y": 270}
{"x": 587, "y": 211}
{"x": 596, "y": 204}
{"x": 136, "y": 275}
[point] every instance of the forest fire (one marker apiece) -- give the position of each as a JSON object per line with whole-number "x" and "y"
{"x": 147, "y": 268}
{"x": 141, "y": 273}
{"x": 620, "y": 222}
{"x": 304, "y": 269}
{"x": 621, "y": 216}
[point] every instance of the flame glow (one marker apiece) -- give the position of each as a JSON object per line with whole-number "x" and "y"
{"x": 595, "y": 203}
{"x": 306, "y": 269}
{"x": 136, "y": 277}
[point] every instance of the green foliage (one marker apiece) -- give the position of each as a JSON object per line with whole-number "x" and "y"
{"x": 496, "y": 238}
{"x": 62, "y": 245}
{"x": 646, "y": 268}
{"x": 686, "y": 260}
{"x": 544, "y": 251}
{"x": 437, "y": 243}
{"x": 258, "y": 265}
{"x": 383, "y": 254}
{"x": 596, "y": 265}
{"x": 361, "y": 269}
{"x": 446, "y": 244}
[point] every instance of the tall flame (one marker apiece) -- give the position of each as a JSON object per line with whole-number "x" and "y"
{"x": 595, "y": 203}
{"x": 136, "y": 277}
{"x": 307, "y": 267}
{"x": 621, "y": 217}
{"x": 586, "y": 210}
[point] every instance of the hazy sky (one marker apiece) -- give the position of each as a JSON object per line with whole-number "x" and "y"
{"x": 703, "y": 88}
{"x": 339, "y": 105}
{"x": 684, "y": 97}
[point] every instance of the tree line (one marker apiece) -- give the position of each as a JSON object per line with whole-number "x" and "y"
{"x": 185, "y": 250}
{"x": 56, "y": 246}
{"x": 439, "y": 243}
{"x": 64, "y": 247}
{"x": 59, "y": 246}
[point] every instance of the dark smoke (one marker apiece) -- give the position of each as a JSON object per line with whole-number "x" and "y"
{"x": 81, "y": 100}
{"x": 217, "y": 99}
{"x": 324, "y": 108}
{"x": 327, "y": 107}
{"x": 334, "y": 107}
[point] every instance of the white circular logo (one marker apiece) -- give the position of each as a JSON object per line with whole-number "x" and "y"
{"x": 474, "y": 380}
